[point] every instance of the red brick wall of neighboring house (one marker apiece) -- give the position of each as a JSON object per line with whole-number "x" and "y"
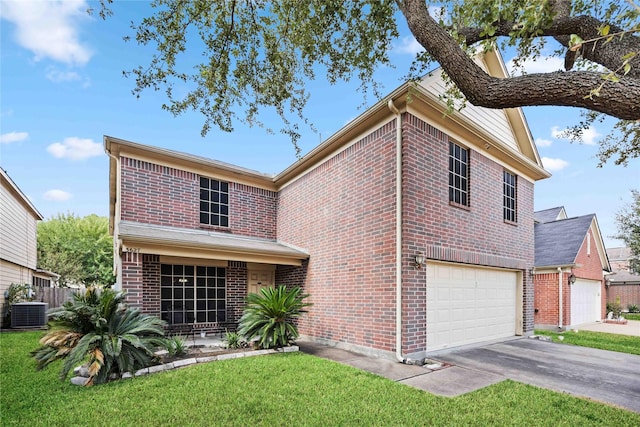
{"x": 628, "y": 294}
{"x": 342, "y": 212}
{"x": 161, "y": 195}
{"x": 590, "y": 267}
{"x": 476, "y": 235}
{"x": 547, "y": 302}
{"x": 546, "y": 293}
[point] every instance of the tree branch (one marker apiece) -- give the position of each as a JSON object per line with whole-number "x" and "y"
{"x": 584, "y": 26}
{"x": 561, "y": 88}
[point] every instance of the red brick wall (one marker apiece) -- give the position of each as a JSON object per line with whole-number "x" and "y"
{"x": 628, "y": 294}
{"x": 151, "y": 284}
{"x": 236, "y": 291}
{"x": 342, "y": 212}
{"x": 546, "y": 299}
{"x": 476, "y": 235}
{"x": 132, "y": 279}
{"x": 154, "y": 194}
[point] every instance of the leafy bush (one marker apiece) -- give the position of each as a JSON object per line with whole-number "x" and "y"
{"x": 234, "y": 340}
{"x": 16, "y": 293}
{"x": 98, "y": 328}
{"x": 633, "y": 308}
{"x": 615, "y": 308}
{"x": 271, "y": 315}
{"x": 177, "y": 346}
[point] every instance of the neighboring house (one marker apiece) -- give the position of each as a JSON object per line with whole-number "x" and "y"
{"x": 569, "y": 270}
{"x": 18, "y": 250}
{"x": 624, "y": 282}
{"x": 412, "y": 231}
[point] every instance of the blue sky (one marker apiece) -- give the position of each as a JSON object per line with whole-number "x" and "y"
{"x": 62, "y": 89}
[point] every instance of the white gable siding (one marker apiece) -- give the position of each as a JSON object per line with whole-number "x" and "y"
{"x": 17, "y": 231}
{"x": 494, "y": 120}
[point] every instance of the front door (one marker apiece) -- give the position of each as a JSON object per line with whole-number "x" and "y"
{"x": 259, "y": 279}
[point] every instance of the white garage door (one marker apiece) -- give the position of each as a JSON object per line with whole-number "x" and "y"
{"x": 585, "y": 301}
{"x": 469, "y": 304}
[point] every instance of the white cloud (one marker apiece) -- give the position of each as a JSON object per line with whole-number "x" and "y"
{"x": 589, "y": 136}
{"x": 58, "y": 76}
{"x": 557, "y": 133}
{"x": 541, "y": 142}
{"x": 408, "y": 45}
{"x": 8, "y": 138}
{"x": 543, "y": 64}
{"x": 49, "y": 29}
{"x": 74, "y": 148}
{"x": 554, "y": 164}
{"x": 57, "y": 195}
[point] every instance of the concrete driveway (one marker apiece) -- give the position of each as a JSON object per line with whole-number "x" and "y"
{"x": 601, "y": 375}
{"x": 632, "y": 327}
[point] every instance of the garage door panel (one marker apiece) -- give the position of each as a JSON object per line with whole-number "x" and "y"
{"x": 467, "y": 305}
{"x": 585, "y": 301}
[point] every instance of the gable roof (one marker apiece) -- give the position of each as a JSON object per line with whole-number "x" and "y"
{"x": 19, "y": 195}
{"x": 557, "y": 243}
{"x": 548, "y": 215}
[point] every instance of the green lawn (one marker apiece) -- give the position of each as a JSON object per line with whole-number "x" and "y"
{"x": 631, "y": 316}
{"x": 601, "y": 340}
{"x": 285, "y": 389}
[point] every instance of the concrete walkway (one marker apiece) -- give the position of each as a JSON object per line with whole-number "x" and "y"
{"x": 631, "y": 328}
{"x": 601, "y": 375}
{"x": 447, "y": 381}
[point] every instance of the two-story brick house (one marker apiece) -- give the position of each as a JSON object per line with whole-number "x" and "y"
{"x": 411, "y": 230}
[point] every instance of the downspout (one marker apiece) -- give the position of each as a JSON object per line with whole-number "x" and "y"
{"x": 560, "y": 307}
{"x": 395, "y": 111}
{"x": 117, "y": 257}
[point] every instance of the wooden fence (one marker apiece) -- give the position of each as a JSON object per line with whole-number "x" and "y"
{"x": 55, "y": 297}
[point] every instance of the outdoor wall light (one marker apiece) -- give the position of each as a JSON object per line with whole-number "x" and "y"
{"x": 418, "y": 260}
{"x": 572, "y": 279}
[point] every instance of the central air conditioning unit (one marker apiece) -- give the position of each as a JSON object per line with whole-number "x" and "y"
{"x": 29, "y": 314}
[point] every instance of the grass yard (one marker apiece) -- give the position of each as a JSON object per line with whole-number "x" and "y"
{"x": 285, "y": 389}
{"x": 601, "y": 340}
{"x": 631, "y": 316}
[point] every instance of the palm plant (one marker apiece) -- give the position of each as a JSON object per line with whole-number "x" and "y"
{"x": 271, "y": 315}
{"x": 96, "y": 326}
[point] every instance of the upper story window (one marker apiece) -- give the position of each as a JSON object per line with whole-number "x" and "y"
{"x": 214, "y": 202}
{"x": 458, "y": 174}
{"x": 510, "y": 186}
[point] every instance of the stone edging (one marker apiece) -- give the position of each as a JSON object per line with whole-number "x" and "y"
{"x": 81, "y": 373}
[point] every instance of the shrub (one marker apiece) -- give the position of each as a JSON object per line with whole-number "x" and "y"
{"x": 271, "y": 315}
{"x": 96, "y": 327}
{"x": 615, "y": 308}
{"x": 233, "y": 340}
{"x": 633, "y": 308}
{"x": 177, "y": 346}
{"x": 16, "y": 293}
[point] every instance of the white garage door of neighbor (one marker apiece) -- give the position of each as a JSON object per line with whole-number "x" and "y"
{"x": 585, "y": 301}
{"x": 466, "y": 305}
